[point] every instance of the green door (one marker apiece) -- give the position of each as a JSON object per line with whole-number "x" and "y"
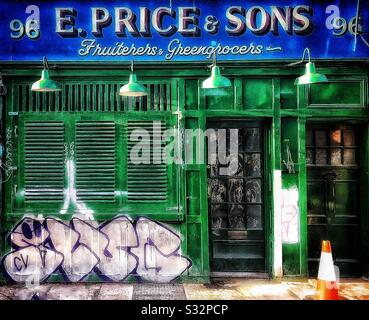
{"x": 236, "y": 214}
{"x": 333, "y": 196}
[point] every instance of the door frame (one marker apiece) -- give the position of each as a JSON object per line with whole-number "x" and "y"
{"x": 268, "y": 210}
{"x": 363, "y": 144}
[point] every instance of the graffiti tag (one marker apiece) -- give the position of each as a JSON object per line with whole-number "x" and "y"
{"x": 113, "y": 250}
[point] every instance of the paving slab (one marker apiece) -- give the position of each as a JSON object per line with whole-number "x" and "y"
{"x": 153, "y": 291}
{"x": 350, "y": 289}
{"x": 303, "y": 291}
{"x": 260, "y": 289}
{"x": 8, "y": 292}
{"x": 33, "y": 293}
{"x": 268, "y": 292}
{"x": 211, "y": 292}
{"x": 354, "y": 290}
{"x": 115, "y": 291}
{"x": 78, "y": 291}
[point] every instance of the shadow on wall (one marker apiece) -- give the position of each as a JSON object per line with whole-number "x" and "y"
{"x": 114, "y": 250}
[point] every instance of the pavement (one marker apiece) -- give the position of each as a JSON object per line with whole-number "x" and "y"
{"x": 218, "y": 289}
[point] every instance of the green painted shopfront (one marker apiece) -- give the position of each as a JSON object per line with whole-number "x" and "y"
{"x": 77, "y": 207}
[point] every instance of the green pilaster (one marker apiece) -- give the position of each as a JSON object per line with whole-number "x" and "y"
{"x": 275, "y": 254}
{"x": 196, "y": 186}
{"x": 302, "y": 179}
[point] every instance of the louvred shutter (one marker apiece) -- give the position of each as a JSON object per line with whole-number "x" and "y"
{"x": 95, "y": 161}
{"x": 44, "y": 162}
{"x": 147, "y": 182}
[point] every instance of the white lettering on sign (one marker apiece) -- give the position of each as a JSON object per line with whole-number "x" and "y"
{"x": 187, "y": 21}
{"x": 175, "y": 48}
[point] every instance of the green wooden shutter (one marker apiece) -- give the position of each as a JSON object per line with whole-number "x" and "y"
{"x": 83, "y": 130}
{"x": 95, "y": 161}
{"x": 44, "y": 165}
{"x": 146, "y": 182}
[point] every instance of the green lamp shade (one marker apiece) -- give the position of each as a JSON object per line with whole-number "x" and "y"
{"x": 133, "y": 88}
{"x": 45, "y": 84}
{"x": 216, "y": 80}
{"x": 311, "y": 76}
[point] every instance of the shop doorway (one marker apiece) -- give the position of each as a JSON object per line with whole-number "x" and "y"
{"x": 236, "y": 202}
{"x": 334, "y": 195}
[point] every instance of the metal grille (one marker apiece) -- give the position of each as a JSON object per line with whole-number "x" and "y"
{"x": 150, "y": 291}
{"x": 147, "y": 182}
{"x": 91, "y": 96}
{"x": 95, "y": 161}
{"x": 44, "y": 161}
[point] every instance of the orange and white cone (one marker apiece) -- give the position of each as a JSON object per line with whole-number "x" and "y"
{"x": 327, "y": 288}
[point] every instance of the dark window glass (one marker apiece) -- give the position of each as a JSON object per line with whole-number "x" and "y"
{"x": 309, "y": 138}
{"x": 338, "y": 150}
{"x": 349, "y": 138}
{"x": 253, "y": 191}
{"x": 335, "y": 138}
{"x": 252, "y": 139}
{"x": 217, "y": 190}
{"x": 349, "y": 157}
{"x": 254, "y": 217}
{"x": 320, "y": 138}
{"x": 321, "y": 156}
{"x": 219, "y": 213}
{"x": 310, "y": 156}
{"x": 253, "y": 165}
{"x": 336, "y": 157}
{"x": 236, "y": 165}
{"x": 236, "y": 200}
{"x": 236, "y": 190}
{"x": 237, "y": 217}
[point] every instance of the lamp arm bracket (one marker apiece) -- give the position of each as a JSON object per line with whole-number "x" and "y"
{"x": 45, "y": 63}
{"x": 305, "y": 53}
{"x": 214, "y": 61}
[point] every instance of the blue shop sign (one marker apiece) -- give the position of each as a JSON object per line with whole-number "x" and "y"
{"x": 182, "y": 30}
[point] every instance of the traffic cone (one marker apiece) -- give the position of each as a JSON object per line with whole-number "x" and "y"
{"x": 327, "y": 288}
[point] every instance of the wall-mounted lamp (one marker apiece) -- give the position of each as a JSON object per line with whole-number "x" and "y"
{"x": 216, "y": 80}
{"x": 290, "y": 165}
{"x": 310, "y": 76}
{"x": 45, "y": 84}
{"x": 133, "y": 88}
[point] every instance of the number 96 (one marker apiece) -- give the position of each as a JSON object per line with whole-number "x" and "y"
{"x": 341, "y": 26}
{"x": 31, "y": 29}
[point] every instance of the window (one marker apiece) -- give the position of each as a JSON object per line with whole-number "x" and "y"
{"x": 331, "y": 146}
{"x": 77, "y": 163}
{"x": 71, "y": 151}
